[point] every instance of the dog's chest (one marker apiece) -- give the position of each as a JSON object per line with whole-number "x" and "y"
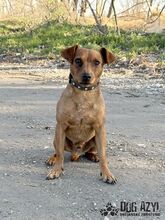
{"x": 81, "y": 118}
{"x": 83, "y": 115}
{"x": 80, "y": 114}
{"x": 80, "y": 123}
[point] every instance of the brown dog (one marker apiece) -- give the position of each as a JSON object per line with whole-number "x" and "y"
{"x": 81, "y": 112}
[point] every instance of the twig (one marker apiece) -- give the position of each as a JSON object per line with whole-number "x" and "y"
{"x": 130, "y": 8}
{"x": 94, "y": 15}
{"x": 157, "y": 16}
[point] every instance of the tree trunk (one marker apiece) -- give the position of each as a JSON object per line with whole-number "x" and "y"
{"x": 99, "y": 6}
{"x": 110, "y": 9}
{"x": 83, "y": 8}
{"x": 75, "y": 4}
{"x": 116, "y": 22}
{"x": 149, "y": 12}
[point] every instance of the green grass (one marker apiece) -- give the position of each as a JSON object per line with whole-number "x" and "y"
{"x": 51, "y": 37}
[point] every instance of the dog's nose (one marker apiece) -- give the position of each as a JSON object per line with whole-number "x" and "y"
{"x": 86, "y": 77}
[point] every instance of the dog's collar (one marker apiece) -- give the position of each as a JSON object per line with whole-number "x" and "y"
{"x": 80, "y": 86}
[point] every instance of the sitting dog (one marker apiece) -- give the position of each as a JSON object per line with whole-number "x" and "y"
{"x": 81, "y": 112}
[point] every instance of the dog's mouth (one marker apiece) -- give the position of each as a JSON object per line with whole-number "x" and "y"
{"x": 85, "y": 83}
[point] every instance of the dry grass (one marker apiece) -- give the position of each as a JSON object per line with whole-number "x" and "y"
{"x": 127, "y": 22}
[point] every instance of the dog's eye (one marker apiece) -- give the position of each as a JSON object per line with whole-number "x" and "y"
{"x": 97, "y": 62}
{"x": 78, "y": 61}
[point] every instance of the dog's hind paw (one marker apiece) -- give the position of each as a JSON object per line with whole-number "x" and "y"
{"x": 92, "y": 156}
{"x": 74, "y": 157}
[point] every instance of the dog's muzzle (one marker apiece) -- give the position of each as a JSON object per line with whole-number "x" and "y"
{"x": 85, "y": 86}
{"x": 86, "y": 78}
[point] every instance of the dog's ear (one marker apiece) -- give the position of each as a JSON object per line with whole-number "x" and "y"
{"x": 107, "y": 56}
{"x": 69, "y": 53}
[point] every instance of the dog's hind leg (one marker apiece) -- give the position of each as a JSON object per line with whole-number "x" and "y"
{"x": 91, "y": 153}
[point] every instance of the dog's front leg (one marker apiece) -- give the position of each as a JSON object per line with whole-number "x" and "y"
{"x": 59, "y": 142}
{"x": 100, "y": 137}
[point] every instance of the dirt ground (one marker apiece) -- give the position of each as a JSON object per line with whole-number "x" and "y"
{"x": 136, "y": 149}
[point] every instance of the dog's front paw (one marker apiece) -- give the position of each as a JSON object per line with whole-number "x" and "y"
{"x": 51, "y": 160}
{"x": 54, "y": 173}
{"x": 108, "y": 177}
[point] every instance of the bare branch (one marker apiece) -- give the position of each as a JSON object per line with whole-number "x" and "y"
{"x": 149, "y": 3}
{"x": 110, "y": 10}
{"x": 157, "y": 16}
{"x": 130, "y": 8}
{"x": 94, "y": 14}
{"x": 103, "y": 8}
{"x": 116, "y": 22}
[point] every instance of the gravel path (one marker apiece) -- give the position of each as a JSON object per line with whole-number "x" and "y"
{"x": 136, "y": 150}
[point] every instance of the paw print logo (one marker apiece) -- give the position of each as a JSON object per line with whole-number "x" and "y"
{"x": 110, "y": 209}
{"x": 104, "y": 212}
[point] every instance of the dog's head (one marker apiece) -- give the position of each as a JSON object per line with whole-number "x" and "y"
{"x": 86, "y": 64}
